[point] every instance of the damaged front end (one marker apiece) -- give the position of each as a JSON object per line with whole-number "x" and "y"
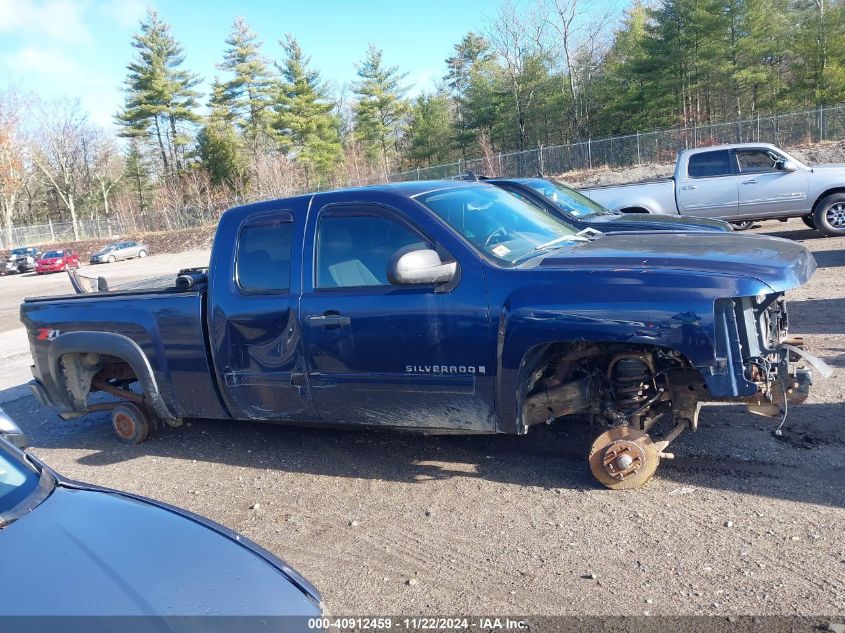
{"x": 628, "y": 389}
{"x": 756, "y": 362}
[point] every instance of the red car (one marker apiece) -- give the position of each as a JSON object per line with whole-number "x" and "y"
{"x": 56, "y": 261}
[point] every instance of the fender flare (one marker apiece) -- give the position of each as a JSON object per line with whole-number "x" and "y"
{"x": 108, "y": 344}
{"x": 824, "y": 194}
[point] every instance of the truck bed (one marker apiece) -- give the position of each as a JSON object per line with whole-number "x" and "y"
{"x": 650, "y": 181}
{"x": 168, "y": 324}
{"x": 651, "y": 196}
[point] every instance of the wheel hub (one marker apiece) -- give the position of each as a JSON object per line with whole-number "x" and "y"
{"x": 623, "y": 458}
{"x": 123, "y": 424}
{"x": 836, "y": 215}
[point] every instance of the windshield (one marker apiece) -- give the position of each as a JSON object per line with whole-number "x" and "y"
{"x": 20, "y": 251}
{"x": 17, "y": 481}
{"x": 567, "y": 198}
{"x": 498, "y": 224}
{"x": 52, "y": 254}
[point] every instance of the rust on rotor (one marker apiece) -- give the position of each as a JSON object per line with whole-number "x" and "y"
{"x": 123, "y": 424}
{"x": 623, "y": 458}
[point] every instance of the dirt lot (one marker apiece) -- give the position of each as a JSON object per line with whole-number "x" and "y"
{"x": 739, "y": 523}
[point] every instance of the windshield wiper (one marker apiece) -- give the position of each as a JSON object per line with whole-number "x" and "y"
{"x": 558, "y": 240}
{"x": 590, "y": 233}
{"x": 541, "y": 247}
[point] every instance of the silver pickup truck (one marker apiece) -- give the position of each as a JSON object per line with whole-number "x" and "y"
{"x": 740, "y": 183}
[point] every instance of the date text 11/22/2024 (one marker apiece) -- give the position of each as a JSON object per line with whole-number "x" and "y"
{"x": 416, "y": 623}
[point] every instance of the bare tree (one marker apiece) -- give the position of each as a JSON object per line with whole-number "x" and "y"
{"x": 60, "y": 153}
{"x": 107, "y": 166}
{"x": 15, "y": 173}
{"x": 517, "y": 37}
{"x": 580, "y": 28}
{"x": 279, "y": 176}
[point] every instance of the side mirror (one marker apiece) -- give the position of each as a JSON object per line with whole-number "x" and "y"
{"x": 11, "y": 432}
{"x": 421, "y": 267}
{"x": 788, "y": 165}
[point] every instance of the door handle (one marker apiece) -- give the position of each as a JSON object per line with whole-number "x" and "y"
{"x": 329, "y": 320}
{"x": 749, "y": 182}
{"x": 688, "y": 187}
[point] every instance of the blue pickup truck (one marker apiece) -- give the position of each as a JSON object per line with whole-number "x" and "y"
{"x": 439, "y": 307}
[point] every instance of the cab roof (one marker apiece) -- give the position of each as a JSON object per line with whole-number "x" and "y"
{"x": 406, "y": 189}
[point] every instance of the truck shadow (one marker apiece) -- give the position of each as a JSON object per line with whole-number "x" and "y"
{"x": 830, "y": 259}
{"x": 817, "y": 316}
{"x": 792, "y": 234}
{"x": 732, "y": 451}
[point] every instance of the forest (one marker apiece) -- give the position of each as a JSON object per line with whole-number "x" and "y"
{"x": 539, "y": 72}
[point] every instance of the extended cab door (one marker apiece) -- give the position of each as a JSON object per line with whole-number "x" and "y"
{"x": 385, "y": 354}
{"x": 709, "y": 187}
{"x": 765, "y": 188}
{"x": 254, "y": 330}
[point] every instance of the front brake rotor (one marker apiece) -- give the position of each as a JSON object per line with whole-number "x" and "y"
{"x": 623, "y": 458}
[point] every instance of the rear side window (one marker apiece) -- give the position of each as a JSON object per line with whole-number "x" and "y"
{"x": 356, "y": 250}
{"x": 709, "y": 164}
{"x": 263, "y": 258}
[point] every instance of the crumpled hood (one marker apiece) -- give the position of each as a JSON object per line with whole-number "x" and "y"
{"x": 85, "y": 552}
{"x": 780, "y": 264}
{"x": 657, "y": 222}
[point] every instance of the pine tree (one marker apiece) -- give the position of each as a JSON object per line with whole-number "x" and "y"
{"x": 219, "y": 148}
{"x": 820, "y": 51}
{"x": 305, "y": 121}
{"x": 219, "y": 111}
{"x": 137, "y": 177}
{"x": 484, "y": 107}
{"x": 160, "y": 95}
{"x": 619, "y": 88}
{"x": 249, "y": 93}
{"x": 430, "y": 129}
{"x": 472, "y": 55}
{"x": 381, "y": 108}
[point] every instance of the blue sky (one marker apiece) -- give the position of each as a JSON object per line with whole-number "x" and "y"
{"x": 79, "y": 48}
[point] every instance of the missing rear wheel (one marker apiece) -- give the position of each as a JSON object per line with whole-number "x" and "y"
{"x": 130, "y": 423}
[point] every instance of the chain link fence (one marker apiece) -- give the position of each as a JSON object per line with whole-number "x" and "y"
{"x": 785, "y": 130}
{"x": 109, "y": 228}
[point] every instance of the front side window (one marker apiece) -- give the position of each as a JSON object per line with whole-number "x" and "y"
{"x": 264, "y": 254}
{"x": 499, "y": 225}
{"x": 567, "y": 198}
{"x": 356, "y": 248}
{"x": 757, "y": 161}
{"x": 710, "y": 164}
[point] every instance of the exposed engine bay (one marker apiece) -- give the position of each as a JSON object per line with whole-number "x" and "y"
{"x": 628, "y": 389}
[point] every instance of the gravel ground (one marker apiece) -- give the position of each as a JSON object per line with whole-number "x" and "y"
{"x": 739, "y": 523}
